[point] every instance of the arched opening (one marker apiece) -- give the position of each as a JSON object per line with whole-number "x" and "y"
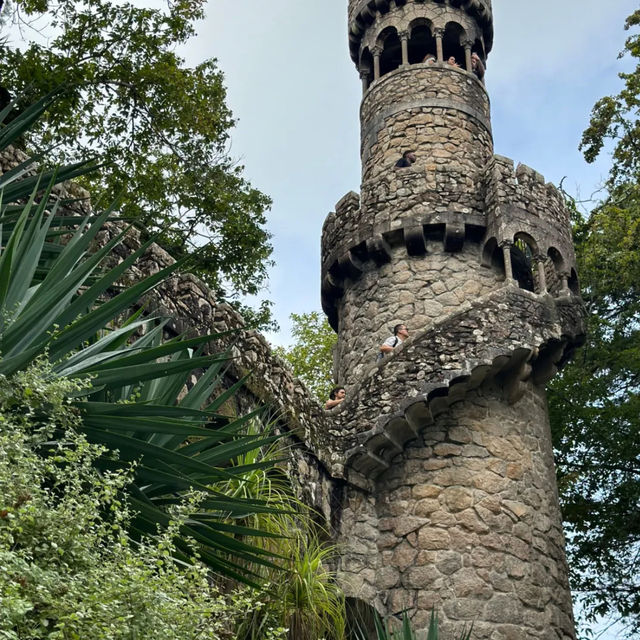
{"x": 360, "y": 620}
{"x": 366, "y": 66}
{"x": 554, "y": 267}
{"x": 452, "y": 40}
{"x": 391, "y": 57}
{"x": 421, "y": 43}
{"x": 574, "y": 284}
{"x": 493, "y": 258}
{"x": 523, "y": 264}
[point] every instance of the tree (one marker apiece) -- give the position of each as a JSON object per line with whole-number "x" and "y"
{"x": 595, "y": 402}
{"x": 311, "y": 355}
{"x": 161, "y": 128}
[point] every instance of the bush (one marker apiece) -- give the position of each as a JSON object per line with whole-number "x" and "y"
{"x": 69, "y": 569}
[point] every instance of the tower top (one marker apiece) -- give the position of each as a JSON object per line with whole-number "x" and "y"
{"x": 365, "y": 13}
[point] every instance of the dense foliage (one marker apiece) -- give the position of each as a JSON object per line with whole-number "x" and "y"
{"x": 311, "y": 354}
{"x": 69, "y": 569}
{"x": 161, "y": 126}
{"x": 595, "y": 402}
{"x": 57, "y": 301}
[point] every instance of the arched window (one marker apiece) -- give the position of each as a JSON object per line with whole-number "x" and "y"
{"x": 574, "y": 285}
{"x": 421, "y": 41}
{"x": 555, "y": 266}
{"x": 493, "y": 257}
{"x": 523, "y": 264}
{"x": 391, "y": 57}
{"x": 454, "y": 35}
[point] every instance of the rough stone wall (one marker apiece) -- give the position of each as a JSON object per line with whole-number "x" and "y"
{"x": 439, "y": 111}
{"x": 520, "y": 201}
{"x": 467, "y": 520}
{"x": 414, "y": 290}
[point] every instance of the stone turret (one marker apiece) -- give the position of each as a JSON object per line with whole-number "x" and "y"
{"x": 444, "y": 446}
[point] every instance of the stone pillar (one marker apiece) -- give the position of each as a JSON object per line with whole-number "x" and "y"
{"x": 377, "y": 52}
{"x": 508, "y": 269}
{"x": 439, "y": 35}
{"x": 564, "y": 289}
{"x": 365, "y": 76}
{"x": 404, "y": 41}
{"x": 542, "y": 276}
{"x": 467, "y": 55}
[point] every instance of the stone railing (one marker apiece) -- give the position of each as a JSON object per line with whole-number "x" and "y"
{"x": 510, "y": 335}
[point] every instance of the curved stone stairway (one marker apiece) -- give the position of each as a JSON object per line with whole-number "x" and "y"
{"x": 509, "y": 337}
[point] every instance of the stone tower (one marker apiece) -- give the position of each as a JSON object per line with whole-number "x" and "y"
{"x": 447, "y": 494}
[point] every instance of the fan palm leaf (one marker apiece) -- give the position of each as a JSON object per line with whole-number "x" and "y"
{"x": 57, "y": 302}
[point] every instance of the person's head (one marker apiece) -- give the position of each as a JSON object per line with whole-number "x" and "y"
{"x": 400, "y": 330}
{"x": 430, "y": 60}
{"x": 452, "y": 61}
{"x": 410, "y": 156}
{"x": 475, "y": 58}
{"x": 337, "y": 393}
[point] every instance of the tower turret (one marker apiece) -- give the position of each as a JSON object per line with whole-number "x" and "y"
{"x": 450, "y": 497}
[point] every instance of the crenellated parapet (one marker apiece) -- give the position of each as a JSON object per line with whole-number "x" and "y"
{"x": 521, "y": 206}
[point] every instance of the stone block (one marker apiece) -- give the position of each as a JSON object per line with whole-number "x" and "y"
{"x": 431, "y": 538}
{"x": 457, "y": 498}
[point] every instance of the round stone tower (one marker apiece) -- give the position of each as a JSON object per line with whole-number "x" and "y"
{"x": 449, "y": 496}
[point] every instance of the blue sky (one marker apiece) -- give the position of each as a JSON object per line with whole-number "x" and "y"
{"x": 296, "y": 94}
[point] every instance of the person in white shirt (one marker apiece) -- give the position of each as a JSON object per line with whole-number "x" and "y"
{"x": 400, "y": 334}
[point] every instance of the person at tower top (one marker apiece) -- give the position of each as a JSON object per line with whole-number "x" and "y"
{"x": 476, "y": 65}
{"x": 430, "y": 59}
{"x": 400, "y": 334}
{"x": 336, "y": 396}
{"x": 408, "y": 158}
{"x": 452, "y": 61}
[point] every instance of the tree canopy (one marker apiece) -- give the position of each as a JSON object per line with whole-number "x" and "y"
{"x": 595, "y": 402}
{"x": 161, "y": 127}
{"x": 311, "y": 355}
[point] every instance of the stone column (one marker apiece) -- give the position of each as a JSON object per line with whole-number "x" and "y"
{"x": 404, "y": 41}
{"x": 439, "y": 35}
{"x": 467, "y": 55}
{"x": 564, "y": 290}
{"x": 542, "y": 276}
{"x": 508, "y": 270}
{"x": 365, "y": 76}
{"x": 377, "y": 52}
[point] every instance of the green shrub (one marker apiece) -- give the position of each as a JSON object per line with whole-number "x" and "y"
{"x": 69, "y": 571}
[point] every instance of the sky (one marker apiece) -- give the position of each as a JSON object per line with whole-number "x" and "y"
{"x": 296, "y": 94}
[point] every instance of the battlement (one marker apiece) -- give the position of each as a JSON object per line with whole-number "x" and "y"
{"x": 521, "y": 206}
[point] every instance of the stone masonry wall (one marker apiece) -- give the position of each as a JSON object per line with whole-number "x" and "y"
{"x": 467, "y": 520}
{"x": 440, "y": 112}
